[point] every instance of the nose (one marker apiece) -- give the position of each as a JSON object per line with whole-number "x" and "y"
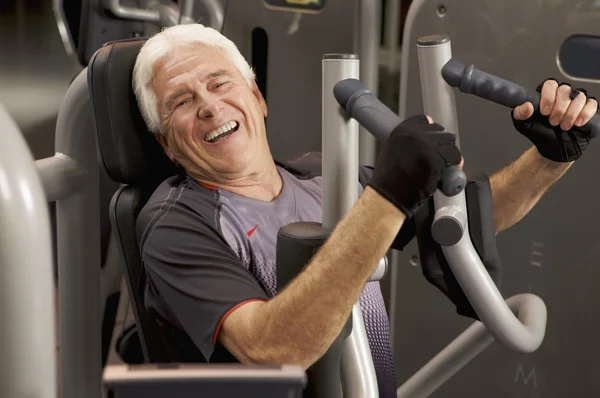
{"x": 208, "y": 109}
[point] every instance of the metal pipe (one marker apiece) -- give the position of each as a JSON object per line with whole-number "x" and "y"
{"x": 186, "y": 11}
{"x": 78, "y": 247}
{"x": 438, "y": 96}
{"x": 391, "y": 33}
{"x": 339, "y": 142}
{"x": 340, "y": 192}
{"x": 137, "y": 14}
{"x": 65, "y": 35}
{"x": 169, "y": 14}
{"x": 216, "y": 13}
{"x": 454, "y": 357}
{"x": 60, "y": 175}
{"x": 380, "y": 271}
{"x": 27, "y": 334}
{"x": 525, "y": 333}
{"x": 369, "y": 44}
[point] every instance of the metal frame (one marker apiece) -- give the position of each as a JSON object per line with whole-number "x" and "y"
{"x": 70, "y": 178}
{"x": 168, "y": 13}
{"x": 78, "y": 241}
{"x": 391, "y": 33}
{"x": 369, "y": 29}
{"x": 523, "y": 333}
{"x": 61, "y": 23}
{"x": 27, "y": 335}
{"x": 340, "y": 139}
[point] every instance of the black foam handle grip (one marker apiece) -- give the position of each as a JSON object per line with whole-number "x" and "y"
{"x": 470, "y": 80}
{"x": 361, "y": 105}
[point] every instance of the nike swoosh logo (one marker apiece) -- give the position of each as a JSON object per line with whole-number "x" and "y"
{"x": 249, "y": 233}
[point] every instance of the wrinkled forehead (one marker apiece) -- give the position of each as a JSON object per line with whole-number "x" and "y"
{"x": 194, "y": 59}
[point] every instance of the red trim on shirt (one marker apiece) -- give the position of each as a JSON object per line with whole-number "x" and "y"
{"x": 249, "y": 233}
{"x": 229, "y": 313}
{"x": 212, "y": 187}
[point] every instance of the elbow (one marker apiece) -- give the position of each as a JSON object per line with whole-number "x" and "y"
{"x": 282, "y": 354}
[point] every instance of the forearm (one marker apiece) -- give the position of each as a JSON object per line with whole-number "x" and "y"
{"x": 519, "y": 186}
{"x": 301, "y": 322}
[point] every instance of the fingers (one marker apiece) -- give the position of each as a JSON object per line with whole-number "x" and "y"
{"x": 573, "y": 112}
{"x": 429, "y": 119}
{"x": 548, "y": 96}
{"x": 462, "y": 163}
{"x": 561, "y": 104}
{"x": 524, "y": 111}
{"x": 589, "y": 110}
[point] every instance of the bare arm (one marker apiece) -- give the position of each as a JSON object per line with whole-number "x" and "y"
{"x": 520, "y": 185}
{"x": 299, "y": 324}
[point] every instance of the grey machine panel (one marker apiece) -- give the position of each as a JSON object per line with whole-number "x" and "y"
{"x": 296, "y": 44}
{"x": 554, "y": 251}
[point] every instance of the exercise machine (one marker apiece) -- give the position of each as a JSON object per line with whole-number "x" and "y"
{"x": 207, "y": 381}
{"x": 552, "y": 251}
{"x": 519, "y": 323}
{"x": 86, "y": 25}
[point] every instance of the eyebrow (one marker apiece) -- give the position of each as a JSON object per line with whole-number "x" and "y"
{"x": 217, "y": 73}
{"x": 179, "y": 93}
{"x": 173, "y": 97}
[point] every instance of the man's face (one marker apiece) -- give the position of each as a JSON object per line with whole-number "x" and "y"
{"x": 214, "y": 121}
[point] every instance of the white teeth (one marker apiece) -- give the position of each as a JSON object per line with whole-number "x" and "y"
{"x": 221, "y": 130}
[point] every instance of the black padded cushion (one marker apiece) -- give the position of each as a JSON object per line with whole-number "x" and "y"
{"x": 124, "y": 210}
{"x": 129, "y": 152}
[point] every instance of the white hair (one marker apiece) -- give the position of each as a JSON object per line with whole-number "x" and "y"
{"x": 160, "y": 45}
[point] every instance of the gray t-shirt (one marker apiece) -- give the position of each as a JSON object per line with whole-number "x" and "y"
{"x": 206, "y": 251}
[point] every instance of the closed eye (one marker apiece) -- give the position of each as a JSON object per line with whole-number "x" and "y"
{"x": 181, "y": 103}
{"x": 219, "y": 85}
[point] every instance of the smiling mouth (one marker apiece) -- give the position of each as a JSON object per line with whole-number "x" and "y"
{"x": 222, "y": 132}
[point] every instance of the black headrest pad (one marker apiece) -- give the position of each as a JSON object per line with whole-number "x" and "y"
{"x": 129, "y": 152}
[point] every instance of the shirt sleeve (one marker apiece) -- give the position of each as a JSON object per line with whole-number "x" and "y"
{"x": 407, "y": 231}
{"x": 197, "y": 274}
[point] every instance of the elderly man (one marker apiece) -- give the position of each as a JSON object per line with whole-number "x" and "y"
{"x": 207, "y": 237}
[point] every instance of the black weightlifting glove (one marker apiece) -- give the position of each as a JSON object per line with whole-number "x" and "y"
{"x": 551, "y": 141}
{"x": 410, "y": 165}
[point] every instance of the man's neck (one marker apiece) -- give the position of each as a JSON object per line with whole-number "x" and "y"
{"x": 265, "y": 184}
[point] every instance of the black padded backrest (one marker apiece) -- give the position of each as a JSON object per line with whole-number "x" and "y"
{"x": 130, "y": 155}
{"x": 128, "y": 151}
{"x": 124, "y": 210}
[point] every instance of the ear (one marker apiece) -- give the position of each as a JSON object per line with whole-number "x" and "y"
{"x": 164, "y": 142}
{"x": 260, "y": 98}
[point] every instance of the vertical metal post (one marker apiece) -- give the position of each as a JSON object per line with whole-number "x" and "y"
{"x": 27, "y": 333}
{"x": 370, "y": 33}
{"x": 186, "y": 11}
{"x": 438, "y": 97}
{"x": 391, "y": 43}
{"x": 391, "y": 34}
{"x": 340, "y": 192}
{"x": 439, "y": 103}
{"x": 78, "y": 246}
{"x": 339, "y": 142}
